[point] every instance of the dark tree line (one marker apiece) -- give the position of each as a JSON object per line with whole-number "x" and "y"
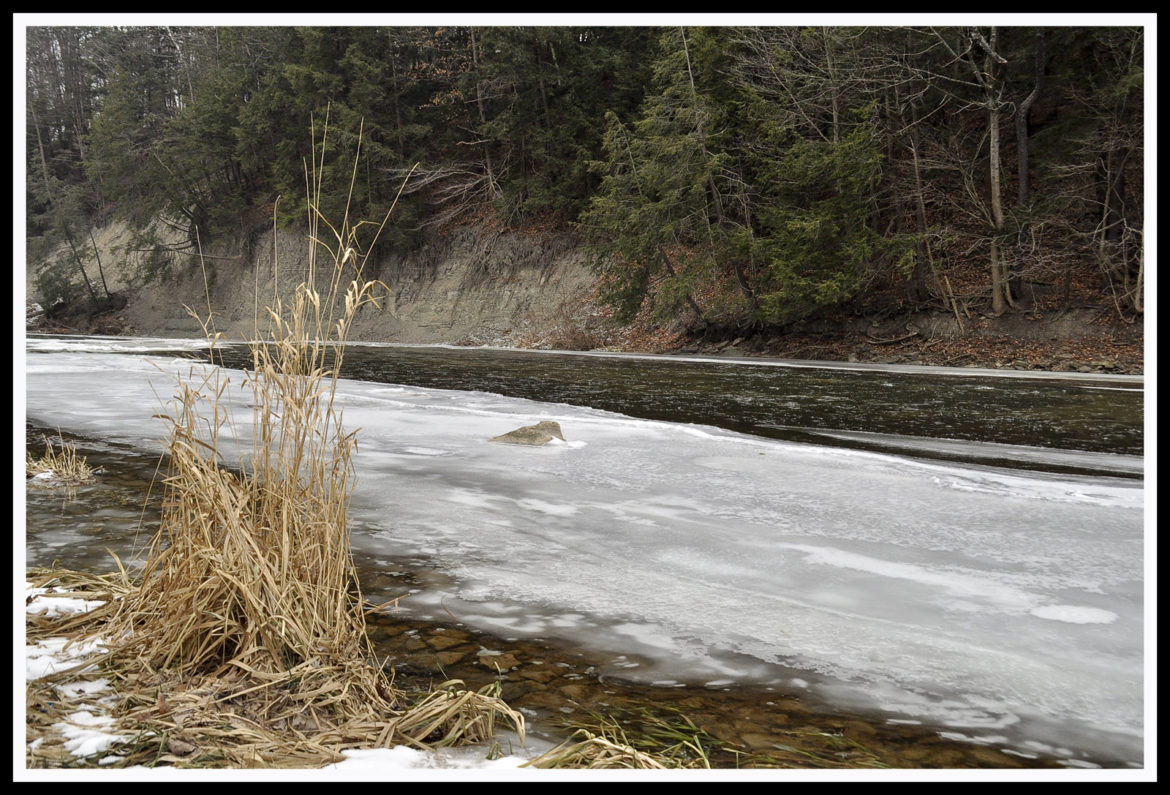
{"x": 741, "y": 176}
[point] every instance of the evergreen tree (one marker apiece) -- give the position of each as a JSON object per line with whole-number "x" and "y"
{"x": 736, "y": 176}
{"x": 662, "y": 213}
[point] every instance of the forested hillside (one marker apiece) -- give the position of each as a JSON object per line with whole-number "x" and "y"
{"x": 725, "y": 177}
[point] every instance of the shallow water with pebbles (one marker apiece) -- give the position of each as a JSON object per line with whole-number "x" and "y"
{"x": 556, "y": 685}
{"x": 559, "y": 688}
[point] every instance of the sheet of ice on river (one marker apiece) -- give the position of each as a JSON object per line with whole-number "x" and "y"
{"x": 90, "y": 344}
{"x": 1002, "y": 606}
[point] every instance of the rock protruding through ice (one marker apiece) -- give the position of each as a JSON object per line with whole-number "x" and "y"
{"x": 536, "y": 435}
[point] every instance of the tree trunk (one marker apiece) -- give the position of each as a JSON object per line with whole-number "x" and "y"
{"x": 77, "y": 258}
{"x": 999, "y": 302}
{"x": 1023, "y": 197}
{"x": 833, "y": 98}
{"x": 920, "y": 219}
{"x": 673, "y": 274}
{"x": 1139, "y": 304}
{"x": 1111, "y": 250}
{"x": 1022, "y": 111}
{"x": 101, "y": 271}
{"x": 487, "y": 155}
{"x": 397, "y": 93}
{"x": 716, "y": 199}
{"x": 1000, "y": 297}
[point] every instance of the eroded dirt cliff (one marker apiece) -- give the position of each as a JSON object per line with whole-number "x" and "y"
{"x": 478, "y": 285}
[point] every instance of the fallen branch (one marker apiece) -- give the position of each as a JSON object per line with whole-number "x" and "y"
{"x": 894, "y": 341}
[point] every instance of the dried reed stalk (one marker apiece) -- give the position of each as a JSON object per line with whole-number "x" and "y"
{"x": 249, "y": 614}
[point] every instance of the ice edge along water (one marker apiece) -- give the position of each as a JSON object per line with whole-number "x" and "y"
{"x": 1004, "y": 607}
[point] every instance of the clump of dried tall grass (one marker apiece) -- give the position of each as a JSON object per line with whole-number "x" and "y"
{"x": 62, "y": 463}
{"x": 587, "y": 751}
{"x": 658, "y": 744}
{"x": 246, "y": 639}
{"x": 662, "y": 737}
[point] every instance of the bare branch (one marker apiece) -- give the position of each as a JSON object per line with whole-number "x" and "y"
{"x": 978, "y": 37}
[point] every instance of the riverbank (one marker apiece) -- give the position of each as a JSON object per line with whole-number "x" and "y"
{"x": 485, "y": 286}
{"x": 1086, "y": 339}
{"x": 1002, "y": 343}
{"x": 1124, "y": 355}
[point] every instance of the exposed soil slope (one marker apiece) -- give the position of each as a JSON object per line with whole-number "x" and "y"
{"x": 477, "y": 285}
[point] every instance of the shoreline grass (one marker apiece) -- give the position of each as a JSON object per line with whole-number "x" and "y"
{"x": 60, "y": 465}
{"x": 246, "y": 632}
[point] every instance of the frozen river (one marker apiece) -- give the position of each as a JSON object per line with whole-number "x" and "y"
{"x": 1005, "y": 606}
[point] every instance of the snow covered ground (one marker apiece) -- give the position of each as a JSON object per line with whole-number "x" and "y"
{"x": 1005, "y": 608}
{"x": 90, "y": 731}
